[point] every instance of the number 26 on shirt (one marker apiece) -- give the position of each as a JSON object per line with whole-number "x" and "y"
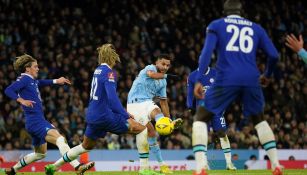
{"x": 244, "y": 36}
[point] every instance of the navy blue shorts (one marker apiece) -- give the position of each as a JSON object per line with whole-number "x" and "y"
{"x": 218, "y": 98}
{"x": 218, "y": 122}
{"x": 116, "y": 124}
{"x": 38, "y": 131}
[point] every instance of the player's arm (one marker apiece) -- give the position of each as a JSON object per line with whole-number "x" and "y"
{"x": 297, "y": 46}
{"x": 165, "y": 107}
{"x": 59, "y": 81}
{"x": 205, "y": 58}
{"x": 155, "y": 75}
{"x": 163, "y": 101}
{"x": 270, "y": 50}
{"x": 113, "y": 99}
{"x": 190, "y": 93}
{"x": 12, "y": 92}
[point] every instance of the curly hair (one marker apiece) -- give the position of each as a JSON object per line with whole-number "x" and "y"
{"x": 22, "y": 62}
{"x": 107, "y": 54}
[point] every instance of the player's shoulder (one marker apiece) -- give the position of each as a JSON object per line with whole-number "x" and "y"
{"x": 104, "y": 71}
{"x": 150, "y": 67}
{"x": 24, "y": 77}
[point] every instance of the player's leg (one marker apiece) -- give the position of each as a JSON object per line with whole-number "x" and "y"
{"x": 38, "y": 154}
{"x": 253, "y": 102}
{"x": 138, "y": 110}
{"x": 219, "y": 127}
{"x": 216, "y": 101}
{"x": 155, "y": 149}
{"x": 92, "y": 133}
{"x": 141, "y": 112}
{"x": 54, "y": 137}
{"x": 157, "y": 114}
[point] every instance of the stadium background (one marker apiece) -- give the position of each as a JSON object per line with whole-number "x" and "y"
{"x": 63, "y": 37}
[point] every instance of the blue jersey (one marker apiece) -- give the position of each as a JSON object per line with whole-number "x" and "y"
{"x": 145, "y": 88}
{"x": 236, "y": 41}
{"x": 207, "y": 78}
{"x": 27, "y": 88}
{"x": 104, "y": 101}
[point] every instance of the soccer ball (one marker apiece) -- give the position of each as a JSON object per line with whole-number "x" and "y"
{"x": 164, "y": 126}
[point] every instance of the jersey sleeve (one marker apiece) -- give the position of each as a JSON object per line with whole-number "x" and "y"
{"x": 110, "y": 86}
{"x": 267, "y": 46}
{"x": 162, "y": 92}
{"x": 150, "y": 68}
{"x": 190, "y": 92}
{"x": 303, "y": 54}
{"x": 12, "y": 90}
{"x": 208, "y": 48}
{"x": 42, "y": 83}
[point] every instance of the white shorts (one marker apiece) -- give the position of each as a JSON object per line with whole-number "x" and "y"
{"x": 141, "y": 111}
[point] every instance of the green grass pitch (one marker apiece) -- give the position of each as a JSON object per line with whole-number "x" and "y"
{"x": 212, "y": 172}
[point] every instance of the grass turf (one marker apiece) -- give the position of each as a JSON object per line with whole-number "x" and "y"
{"x": 212, "y": 172}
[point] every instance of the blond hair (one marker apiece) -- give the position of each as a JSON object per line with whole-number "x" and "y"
{"x": 107, "y": 54}
{"x": 22, "y": 62}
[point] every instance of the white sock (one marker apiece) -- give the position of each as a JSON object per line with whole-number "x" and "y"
{"x": 64, "y": 148}
{"x": 143, "y": 149}
{"x": 29, "y": 158}
{"x": 72, "y": 154}
{"x": 226, "y": 148}
{"x": 268, "y": 142}
{"x": 199, "y": 142}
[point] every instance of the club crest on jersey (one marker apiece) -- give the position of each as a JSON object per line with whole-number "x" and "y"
{"x": 111, "y": 77}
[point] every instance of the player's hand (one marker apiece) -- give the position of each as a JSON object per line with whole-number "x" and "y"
{"x": 198, "y": 91}
{"x": 27, "y": 103}
{"x": 62, "y": 81}
{"x": 264, "y": 81}
{"x": 293, "y": 43}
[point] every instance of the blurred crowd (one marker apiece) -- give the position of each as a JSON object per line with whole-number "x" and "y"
{"x": 63, "y": 37}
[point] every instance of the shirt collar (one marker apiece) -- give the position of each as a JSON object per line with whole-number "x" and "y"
{"x": 106, "y": 65}
{"x": 234, "y": 16}
{"x": 27, "y": 75}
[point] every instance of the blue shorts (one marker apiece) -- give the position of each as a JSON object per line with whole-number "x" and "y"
{"x": 218, "y": 98}
{"x": 116, "y": 124}
{"x": 218, "y": 122}
{"x": 38, "y": 131}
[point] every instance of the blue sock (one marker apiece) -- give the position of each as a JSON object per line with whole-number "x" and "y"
{"x": 155, "y": 148}
{"x": 158, "y": 116}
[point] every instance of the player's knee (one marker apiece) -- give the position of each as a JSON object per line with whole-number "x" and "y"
{"x": 155, "y": 112}
{"x": 136, "y": 128}
{"x": 39, "y": 156}
{"x": 220, "y": 133}
{"x": 202, "y": 115}
{"x": 257, "y": 118}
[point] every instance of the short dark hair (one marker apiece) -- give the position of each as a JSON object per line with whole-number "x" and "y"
{"x": 164, "y": 56}
{"x": 232, "y": 7}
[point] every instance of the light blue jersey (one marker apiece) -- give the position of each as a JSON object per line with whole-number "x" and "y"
{"x": 145, "y": 88}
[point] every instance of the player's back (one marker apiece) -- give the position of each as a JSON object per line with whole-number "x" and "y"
{"x": 99, "y": 106}
{"x": 237, "y": 42}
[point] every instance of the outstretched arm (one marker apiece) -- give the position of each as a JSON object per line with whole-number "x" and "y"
{"x": 155, "y": 75}
{"x": 60, "y": 81}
